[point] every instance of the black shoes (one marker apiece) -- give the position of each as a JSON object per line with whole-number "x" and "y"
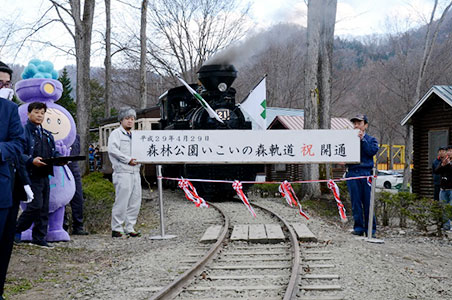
{"x": 358, "y": 233}
{"x": 39, "y": 243}
{"x": 134, "y": 234}
{"x": 117, "y": 234}
{"x": 42, "y": 244}
{"x": 79, "y": 232}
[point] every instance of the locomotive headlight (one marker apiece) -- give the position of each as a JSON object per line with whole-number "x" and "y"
{"x": 222, "y": 87}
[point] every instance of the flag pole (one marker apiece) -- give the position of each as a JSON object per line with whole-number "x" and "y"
{"x": 201, "y": 100}
{"x": 371, "y": 239}
{"x": 162, "y": 235}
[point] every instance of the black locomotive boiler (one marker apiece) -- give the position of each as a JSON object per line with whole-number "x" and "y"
{"x": 181, "y": 111}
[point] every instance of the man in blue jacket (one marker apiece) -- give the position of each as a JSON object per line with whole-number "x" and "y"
{"x": 360, "y": 189}
{"x": 11, "y": 147}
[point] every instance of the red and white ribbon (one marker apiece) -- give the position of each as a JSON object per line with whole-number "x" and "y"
{"x": 237, "y": 186}
{"x": 286, "y": 190}
{"x": 191, "y": 194}
{"x": 333, "y": 187}
{"x": 369, "y": 180}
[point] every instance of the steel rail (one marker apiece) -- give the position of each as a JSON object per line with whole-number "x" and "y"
{"x": 292, "y": 287}
{"x": 174, "y": 288}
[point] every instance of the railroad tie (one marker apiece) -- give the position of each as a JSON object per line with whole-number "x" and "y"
{"x": 258, "y": 233}
{"x": 303, "y": 232}
{"x": 329, "y": 287}
{"x": 211, "y": 235}
{"x": 274, "y": 233}
{"x": 240, "y": 233}
{"x": 321, "y": 298}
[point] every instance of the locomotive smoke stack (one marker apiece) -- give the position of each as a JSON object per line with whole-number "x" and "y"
{"x": 211, "y": 76}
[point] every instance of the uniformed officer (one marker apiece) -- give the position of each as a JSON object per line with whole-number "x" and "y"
{"x": 360, "y": 189}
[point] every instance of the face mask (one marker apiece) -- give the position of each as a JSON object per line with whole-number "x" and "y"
{"x": 6, "y": 93}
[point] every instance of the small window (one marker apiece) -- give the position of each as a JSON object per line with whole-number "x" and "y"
{"x": 436, "y": 139}
{"x": 280, "y": 167}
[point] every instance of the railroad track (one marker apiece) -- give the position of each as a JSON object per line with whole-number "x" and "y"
{"x": 238, "y": 269}
{"x": 319, "y": 272}
{"x": 235, "y": 269}
{"x": 319, "y": 278}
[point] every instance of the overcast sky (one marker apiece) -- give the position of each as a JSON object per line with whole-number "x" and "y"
{"x": 354, "y": 18}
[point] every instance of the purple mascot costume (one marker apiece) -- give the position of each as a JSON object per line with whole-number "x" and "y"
{"x": 39, "y": 84}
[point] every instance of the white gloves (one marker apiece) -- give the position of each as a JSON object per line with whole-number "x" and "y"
{"x": 6, "y": 93}
{"x": 29, "y": 192}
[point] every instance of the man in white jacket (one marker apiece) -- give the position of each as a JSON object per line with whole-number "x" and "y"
{"x": 126, "y": 177}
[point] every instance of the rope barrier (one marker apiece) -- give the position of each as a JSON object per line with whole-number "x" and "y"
{"x": 285, "y": 189}
{"x": 268, "y": 182}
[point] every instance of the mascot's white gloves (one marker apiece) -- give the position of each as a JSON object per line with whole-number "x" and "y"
{"x": 29, "y": 192}
{"x": 6, "y": 93}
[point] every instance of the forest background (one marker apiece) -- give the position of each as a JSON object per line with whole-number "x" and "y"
{"x": 375, "y": 74}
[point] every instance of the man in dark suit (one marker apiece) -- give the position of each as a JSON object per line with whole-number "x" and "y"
{"x": 11, "y": 148}
{"x": 77, "y": 200}
{"x": 39, "y": 145}
{"x": 437, "y": 177}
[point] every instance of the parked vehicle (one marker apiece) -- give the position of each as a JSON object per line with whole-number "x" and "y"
{"x": 388, "y": 179}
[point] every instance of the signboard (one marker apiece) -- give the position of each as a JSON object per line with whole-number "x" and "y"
{"x": 245, "y": 146}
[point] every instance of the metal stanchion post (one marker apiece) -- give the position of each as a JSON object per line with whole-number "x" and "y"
{"x": 371, "y": 211}
{"x": 162, "y": 235}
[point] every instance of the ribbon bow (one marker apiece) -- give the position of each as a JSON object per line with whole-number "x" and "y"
{"x": 237, "y": 186}
{"x": 191, "y": 194}
{"x": 335, "y": 189}
{"x": 369, "y": 180}
{"x": 286, "y": 190}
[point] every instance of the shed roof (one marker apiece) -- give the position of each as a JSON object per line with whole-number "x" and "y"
{"x": 273, "y": 112}
{"x": 442, "y": 91}
{"x": 297, "y": 122}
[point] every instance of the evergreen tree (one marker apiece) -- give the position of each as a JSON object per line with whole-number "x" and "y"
{"x": 97, "y": 103}
{"x": 66, "y": 100}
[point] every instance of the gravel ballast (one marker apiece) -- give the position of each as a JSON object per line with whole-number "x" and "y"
{"x": 408, "y": 265}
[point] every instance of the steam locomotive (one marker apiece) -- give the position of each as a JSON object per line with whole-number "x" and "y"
{"x": 179, "y": 110}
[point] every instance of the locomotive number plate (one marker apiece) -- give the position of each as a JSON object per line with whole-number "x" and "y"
{"x": 224, "y": 114}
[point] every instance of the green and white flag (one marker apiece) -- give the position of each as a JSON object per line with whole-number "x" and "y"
{"x": 201, "y": 100}
{"x": 255, "y": 105}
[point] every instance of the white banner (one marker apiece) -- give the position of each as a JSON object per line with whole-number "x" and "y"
{"x": 245, "y": 146}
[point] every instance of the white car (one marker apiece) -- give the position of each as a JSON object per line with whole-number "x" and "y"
{"x": 388, "y": 179}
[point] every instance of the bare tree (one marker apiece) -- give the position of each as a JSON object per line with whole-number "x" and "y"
{"x": 282, "y": 59}
{"x": 321, "y": 21}
{"x": 107, "y": 61}
{"x": 143, "y": 80}
{"x": 81, "y": 34}
{"x": 429, "y": 44}
{"x": 185, "y": 33}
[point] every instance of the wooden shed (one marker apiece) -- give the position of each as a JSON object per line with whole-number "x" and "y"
{"x": 293, "y": 172}
{"x": 431, "y": 118}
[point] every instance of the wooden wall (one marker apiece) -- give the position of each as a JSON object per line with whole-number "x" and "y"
{"x": 293, "y": 172}
{"x": 434, "y": 114}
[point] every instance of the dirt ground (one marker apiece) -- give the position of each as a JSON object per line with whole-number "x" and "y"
{"x": 97, "y": 266}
